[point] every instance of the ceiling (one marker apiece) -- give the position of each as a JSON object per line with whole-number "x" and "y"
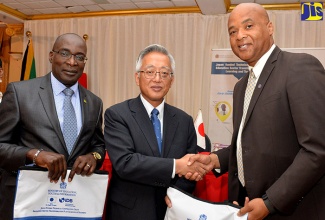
{"x": 16, "y": 11}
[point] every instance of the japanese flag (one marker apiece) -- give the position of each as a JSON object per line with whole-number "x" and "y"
{"x": 199, "y": 127}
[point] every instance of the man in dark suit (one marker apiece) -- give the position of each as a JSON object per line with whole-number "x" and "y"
{"x": 281, "y": 136}
{"x": 31, "y": 131}
{"x": 142, "y": 171}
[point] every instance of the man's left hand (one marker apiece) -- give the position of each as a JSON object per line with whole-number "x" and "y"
{"x": 255, "y": 208}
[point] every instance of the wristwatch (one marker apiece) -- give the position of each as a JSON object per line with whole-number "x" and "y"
{"x": 268, "y": 204}
{"x": 96, "y": 156}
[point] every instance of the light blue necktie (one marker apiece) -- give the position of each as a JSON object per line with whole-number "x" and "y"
{"x": 156, "y": 125}
{"x": 69, "y": 120}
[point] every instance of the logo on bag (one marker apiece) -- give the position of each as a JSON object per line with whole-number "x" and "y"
{"x": 63, "y": 185}
{"x": 67, "y": 200}
{"x": 203, "y": 217}
{"x": 51, "y": 199}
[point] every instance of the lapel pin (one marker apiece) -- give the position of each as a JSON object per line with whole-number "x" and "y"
{"x": 259, "y": 86}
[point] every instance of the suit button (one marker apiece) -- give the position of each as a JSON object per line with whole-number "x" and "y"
{"x": 236, "y": 174}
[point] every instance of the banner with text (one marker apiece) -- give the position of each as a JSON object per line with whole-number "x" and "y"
{"x": 226, "y": 70}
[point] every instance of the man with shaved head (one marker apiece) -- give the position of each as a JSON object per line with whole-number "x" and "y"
{"x": 34, "y": 126}
{"x": 276, "y": 160}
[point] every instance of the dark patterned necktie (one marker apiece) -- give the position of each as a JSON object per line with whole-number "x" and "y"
{"x": 69, "y": 120}
{"x": 156, "y": 125}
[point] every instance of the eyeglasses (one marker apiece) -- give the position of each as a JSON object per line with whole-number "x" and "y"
{"x": 150, "y": 73}
{"x": 67, "y": 55}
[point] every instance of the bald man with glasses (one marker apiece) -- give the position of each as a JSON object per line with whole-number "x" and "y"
{"x": 37, "y": 129}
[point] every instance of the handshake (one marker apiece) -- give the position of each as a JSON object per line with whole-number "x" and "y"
{"x": 195, "y": 166}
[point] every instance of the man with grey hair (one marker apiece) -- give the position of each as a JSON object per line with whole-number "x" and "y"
{"x": 148, "y": 142}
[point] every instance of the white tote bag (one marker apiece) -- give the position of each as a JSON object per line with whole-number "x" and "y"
{"x": 185, "y": 206}
{"x": 38, "y": 198}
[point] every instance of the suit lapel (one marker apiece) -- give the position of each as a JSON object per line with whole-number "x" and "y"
{"x": 170, "y": 127}
{"x": 140, "y": 115}
{"x": 266, "y": 72}
{"x": 46, "y": 96}
{"x": 239, "y": 101}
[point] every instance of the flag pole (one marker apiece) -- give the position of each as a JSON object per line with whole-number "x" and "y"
{"x": 85, "y": 37}
{"x": 29, "y": 34}
{"x": 28, "y": 70}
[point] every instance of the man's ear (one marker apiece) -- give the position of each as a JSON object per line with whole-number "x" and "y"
{"x": 137, "y": 78}
{"x": 51, "y": 56}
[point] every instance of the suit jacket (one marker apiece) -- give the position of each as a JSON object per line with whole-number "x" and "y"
{"x": 140, "y": 174}
{"x": 283, "y": 139}
{"x": 29, "y": 120}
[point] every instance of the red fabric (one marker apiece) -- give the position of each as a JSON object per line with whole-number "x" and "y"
{"x": 83, "y": 80}
{"x": 212, "y": 188}
{"x": 107, "y": 165}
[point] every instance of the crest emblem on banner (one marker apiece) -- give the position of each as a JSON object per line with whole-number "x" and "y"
{"x": 63, "y": 185}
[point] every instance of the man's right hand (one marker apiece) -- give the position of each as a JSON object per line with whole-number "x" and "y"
{"x": 207, "y": 162}
{"x": 195, "y": 168}
{"x": 168, "y": 202}
{"x": 55, "y": 164}
{"x": 182, "y": 168}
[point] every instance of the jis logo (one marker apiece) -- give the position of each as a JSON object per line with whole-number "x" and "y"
{"x": 63, "y": 185}
{"x": 311, "y": 11}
